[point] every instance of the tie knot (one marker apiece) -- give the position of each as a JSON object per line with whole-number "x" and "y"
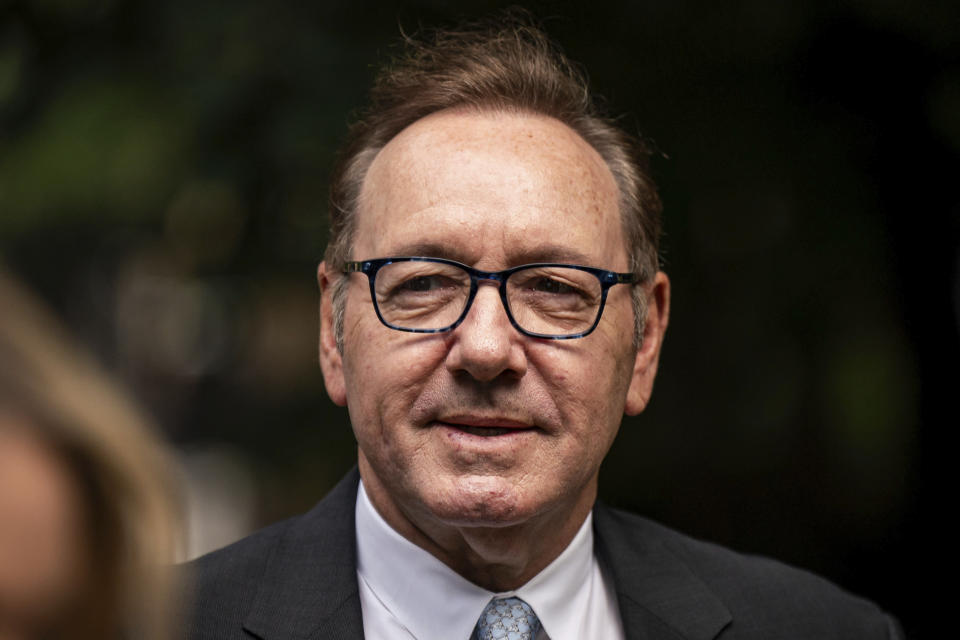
{"x": 507, "y": 619}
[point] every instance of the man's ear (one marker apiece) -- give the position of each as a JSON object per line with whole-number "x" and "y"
{"x": 331, "y": 360}
{"x": 648, "y": 355}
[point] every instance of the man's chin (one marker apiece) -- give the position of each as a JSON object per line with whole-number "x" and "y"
{"x": 482, "y": 501}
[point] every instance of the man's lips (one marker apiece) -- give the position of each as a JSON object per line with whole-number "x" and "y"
{"x": 485, "y": 426}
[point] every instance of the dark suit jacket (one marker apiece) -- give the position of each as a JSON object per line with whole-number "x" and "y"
{"x": 297, "y": 579}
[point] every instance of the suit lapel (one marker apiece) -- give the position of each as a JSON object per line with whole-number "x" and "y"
{"x": 309, "y": 588}
{"x": 660, "y": 598}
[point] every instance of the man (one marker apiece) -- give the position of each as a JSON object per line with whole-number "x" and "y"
{"x": 491, "y": 307}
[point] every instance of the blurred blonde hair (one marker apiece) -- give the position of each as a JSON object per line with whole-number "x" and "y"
{"x": 114, "y": 455}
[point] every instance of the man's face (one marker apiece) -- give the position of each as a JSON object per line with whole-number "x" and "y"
{"x": 482, "y": 426}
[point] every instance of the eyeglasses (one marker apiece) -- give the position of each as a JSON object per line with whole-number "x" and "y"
{"x": 432, "y": 295}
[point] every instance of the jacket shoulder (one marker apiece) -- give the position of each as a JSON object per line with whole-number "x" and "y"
{"x": 764, "y": 597}
{"x": 287, "y": 579}
{"x": 220, "y": 587}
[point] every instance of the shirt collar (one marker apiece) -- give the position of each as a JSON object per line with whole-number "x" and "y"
{"x": 560, "y": 593}
{"x": 435, "y": 603}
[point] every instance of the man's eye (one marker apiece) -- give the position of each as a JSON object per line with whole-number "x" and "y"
{"x": 550, "y": 285}
{"x": 424, "y": 283}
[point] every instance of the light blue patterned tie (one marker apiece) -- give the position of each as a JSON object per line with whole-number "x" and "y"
{"x": 507, "y": 619}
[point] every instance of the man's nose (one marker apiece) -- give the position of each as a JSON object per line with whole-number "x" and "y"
{"x": 486, "y": 345}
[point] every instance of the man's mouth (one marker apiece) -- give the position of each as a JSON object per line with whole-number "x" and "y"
{"x": 483, "y": 431}
{"x": 486, "y": 427}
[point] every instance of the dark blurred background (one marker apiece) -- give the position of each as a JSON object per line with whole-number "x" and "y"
{"x": 163, "y": 170}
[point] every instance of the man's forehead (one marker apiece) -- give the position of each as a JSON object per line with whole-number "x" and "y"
{"x": 504, "y": 173}
{"x": 472, "y": 133}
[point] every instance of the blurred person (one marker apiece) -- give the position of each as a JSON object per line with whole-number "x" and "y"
{"x": 491, "y": 307}
{"x": 87, "y": 499}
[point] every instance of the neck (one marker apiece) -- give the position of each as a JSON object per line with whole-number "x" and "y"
{"x": 497, "y": 558}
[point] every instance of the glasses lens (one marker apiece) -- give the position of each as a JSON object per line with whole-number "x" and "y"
{"x": 557, "y": 301}
{"x": 421, "y": 295}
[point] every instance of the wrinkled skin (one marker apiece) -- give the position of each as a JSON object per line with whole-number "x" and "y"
{"x": 492, "y": 190}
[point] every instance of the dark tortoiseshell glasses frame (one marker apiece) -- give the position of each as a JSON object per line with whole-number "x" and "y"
{"x": 606, "y": 279}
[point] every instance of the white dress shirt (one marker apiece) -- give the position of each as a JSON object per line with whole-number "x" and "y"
{"x": 407, "y": 593}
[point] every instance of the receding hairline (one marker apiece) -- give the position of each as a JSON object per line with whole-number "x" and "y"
{"x": 556, "y": 134}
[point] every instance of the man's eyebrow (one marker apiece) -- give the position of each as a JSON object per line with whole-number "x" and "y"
{"x": 547, "y": 252}
{"x": 430, "y": 250}
{"x": 544, "y": 252}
